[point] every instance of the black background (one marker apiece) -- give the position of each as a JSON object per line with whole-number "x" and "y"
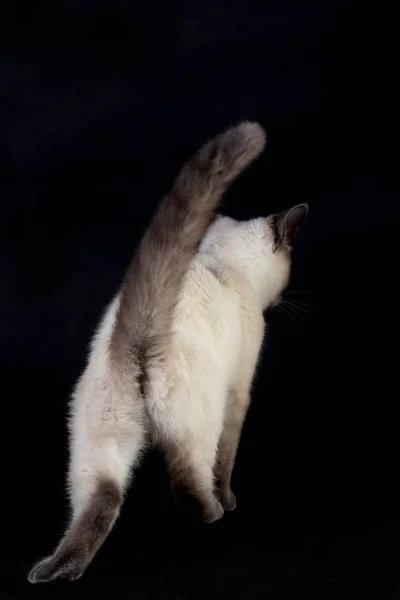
{"x": 100, "y": 103}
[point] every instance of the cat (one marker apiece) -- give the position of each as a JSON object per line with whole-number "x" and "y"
{"x": 110, "y": 417}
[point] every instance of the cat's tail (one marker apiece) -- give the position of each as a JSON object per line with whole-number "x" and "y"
{"x": 153, "y": 281}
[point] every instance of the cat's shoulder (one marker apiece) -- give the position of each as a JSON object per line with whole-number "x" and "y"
{"x": 221, "y": 273}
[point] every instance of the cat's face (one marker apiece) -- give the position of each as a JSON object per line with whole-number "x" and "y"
{"x": 259, "y": 248}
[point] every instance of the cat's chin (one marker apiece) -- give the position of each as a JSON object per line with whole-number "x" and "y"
{"x": 276, "y": 302}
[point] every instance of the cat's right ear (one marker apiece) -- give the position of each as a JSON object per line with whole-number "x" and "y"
{"x": 287, "y": 224}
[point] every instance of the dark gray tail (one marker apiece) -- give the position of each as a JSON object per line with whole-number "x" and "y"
{"x": 153, "y": 281}
{"x": 82, "y": 539}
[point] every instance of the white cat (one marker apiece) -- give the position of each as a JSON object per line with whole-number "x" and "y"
{"x": 174, "y": 356}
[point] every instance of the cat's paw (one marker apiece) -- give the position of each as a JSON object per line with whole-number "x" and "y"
{"x": 229, "y": 501}
{"x": 213, "y": 513}
{"x": 52, "y": 568}
{"x": 227, "y": 498}
{"x": 35, "y": 574}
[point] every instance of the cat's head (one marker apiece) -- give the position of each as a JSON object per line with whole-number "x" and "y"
{"x": 260, "y": 249}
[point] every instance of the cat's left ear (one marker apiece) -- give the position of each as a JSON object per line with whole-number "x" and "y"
{"x": 287, "y": 224}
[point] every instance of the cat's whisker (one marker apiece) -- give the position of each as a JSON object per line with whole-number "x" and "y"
{"x": 303, "y": 313}
{"x": 300, "y": 304}
{"x": 304, "y": 308}
{"x": 300, "y": 312}
{"x": 285, "y": 309}
{"x": 294, "y": 319}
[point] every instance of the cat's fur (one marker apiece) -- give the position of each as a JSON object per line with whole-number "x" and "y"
{"x": 120, "y": 397}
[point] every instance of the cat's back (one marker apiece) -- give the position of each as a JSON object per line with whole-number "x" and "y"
{"x": 207, "y": 323}
{"x": 207, "y": 302}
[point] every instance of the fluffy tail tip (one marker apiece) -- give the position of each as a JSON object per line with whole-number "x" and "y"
{"x": 241, "y": 144}
{"x": 253, "y": 134}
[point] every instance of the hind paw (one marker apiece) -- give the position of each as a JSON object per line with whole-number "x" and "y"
{"x": 213, "y": 513}
{"x": 229, "y": 501}
{"x": 51, "y": 569}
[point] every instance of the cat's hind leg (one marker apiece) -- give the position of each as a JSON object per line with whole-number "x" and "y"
{"x": 188, "y": 424}
{"x": 191, "y": 472}
{"x": 101, "y": 461}
{"x": 236, "y": 409}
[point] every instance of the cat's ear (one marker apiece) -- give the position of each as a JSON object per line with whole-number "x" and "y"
{"x": 287, "y": 224}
